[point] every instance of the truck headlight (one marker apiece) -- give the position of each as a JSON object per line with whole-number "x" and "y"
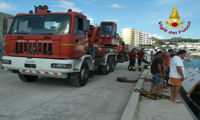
{"x": 6, "y": 61}
{"x": 61, "y": 66}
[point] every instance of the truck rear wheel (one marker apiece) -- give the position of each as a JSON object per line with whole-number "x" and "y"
{"x": 104, "y": 69}
{"x": 109, "y": 67}
{"x": 27, "y": 78}
{"x": 112, "y": 64}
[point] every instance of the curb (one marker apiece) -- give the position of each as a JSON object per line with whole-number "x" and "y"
{"x": 131, "y": 107}
{"x": 130, "y": 110}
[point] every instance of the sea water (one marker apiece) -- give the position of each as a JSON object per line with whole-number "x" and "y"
{"x": 193, "y": 63}
{"x": 191, "y": 66}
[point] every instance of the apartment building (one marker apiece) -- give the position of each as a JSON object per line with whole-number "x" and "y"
{"x": 145, "y": 38}
{"x": 127, "y": 35}
{"x": 135, "y": 38}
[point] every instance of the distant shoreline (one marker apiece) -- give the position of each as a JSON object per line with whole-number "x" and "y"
{"x": 194, "y": 56}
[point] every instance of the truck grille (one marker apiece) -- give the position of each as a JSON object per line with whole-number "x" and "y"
{"x": 34, "y": 48}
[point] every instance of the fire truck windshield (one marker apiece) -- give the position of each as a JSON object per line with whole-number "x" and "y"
{"x": 35, "y": 24}
{"x": 106, "y": 29}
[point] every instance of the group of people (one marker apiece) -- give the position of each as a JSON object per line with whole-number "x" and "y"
{"x": 136, "y": 55}
{"x": 167, "y": 69}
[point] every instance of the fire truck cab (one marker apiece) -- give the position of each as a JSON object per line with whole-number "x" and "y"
{"x": 51, "y": 44}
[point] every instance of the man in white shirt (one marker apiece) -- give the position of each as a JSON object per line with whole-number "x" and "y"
{"x": 176, "y": 74}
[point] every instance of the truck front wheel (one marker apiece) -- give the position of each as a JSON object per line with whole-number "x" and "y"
{"x": 81, "y": 78}
{"x": 27, "y": 78}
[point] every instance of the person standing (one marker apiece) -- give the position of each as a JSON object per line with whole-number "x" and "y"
{"x": 176, "y": 74}
{"x": 166, "y": 66}
{"x": 132, "y": 59}
{"x": 157, "y": 74}
{"x": 140, "y": 56}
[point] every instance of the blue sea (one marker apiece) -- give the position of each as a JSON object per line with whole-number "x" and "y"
{"x": 193, "y": 63}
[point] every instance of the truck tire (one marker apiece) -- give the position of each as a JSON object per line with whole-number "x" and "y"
{"x": 120, "y": 58}
{"x": 27, "y": 78}
{"x": 108, "y": 67}
{"x": 80, "y": 79}
{"x": 104, "y": 69}
{"x": 84, "y": 75}
{"x": 112, "y": 64}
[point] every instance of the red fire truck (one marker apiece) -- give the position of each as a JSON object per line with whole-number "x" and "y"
{"x": 59, "y": 44}
{"x": 111, "y": 39}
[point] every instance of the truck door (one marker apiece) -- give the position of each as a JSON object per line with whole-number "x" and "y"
{"x": 81, "y": 39}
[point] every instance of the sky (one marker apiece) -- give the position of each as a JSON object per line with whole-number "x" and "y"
{"x": 142, "y": 15}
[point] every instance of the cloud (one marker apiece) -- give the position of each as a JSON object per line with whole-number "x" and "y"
{"x": 66, "y": 4}
{"x": 116, "y": 6}
{"x": 5, "y": 6}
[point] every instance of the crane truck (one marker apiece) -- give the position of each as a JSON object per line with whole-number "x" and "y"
{"x": 59, "y": 45}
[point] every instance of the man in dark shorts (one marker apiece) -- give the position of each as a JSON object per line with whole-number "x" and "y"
{"x": 132, "y": 59}
{"x": 157, "y": 74}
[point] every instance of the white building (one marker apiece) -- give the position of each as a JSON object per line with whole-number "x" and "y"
{"x": 127, "y": 35}
{"x": 136, "y": 41}
{"x": 135, "y": 38}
